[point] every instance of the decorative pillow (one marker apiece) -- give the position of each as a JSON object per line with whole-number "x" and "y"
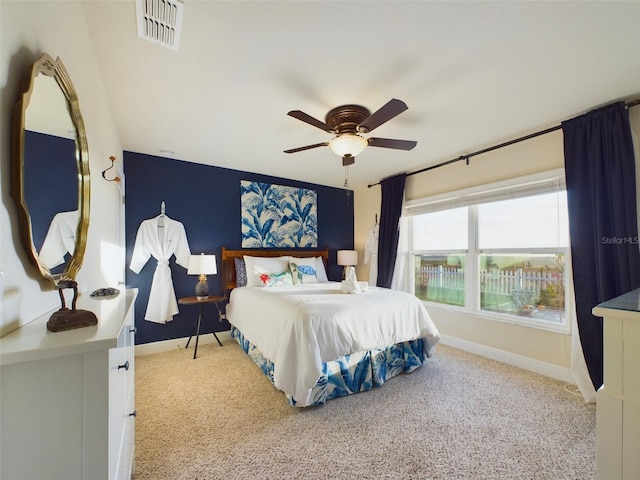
{"x": 321, "y": 273}
{"x": 241, "y": 272}
{"x": 257, "y": 265}
{"x": 276, "y": 279}
{"x": 304, "y": 270}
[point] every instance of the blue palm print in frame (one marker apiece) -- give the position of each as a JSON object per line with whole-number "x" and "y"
{"x": 277, "y": 216}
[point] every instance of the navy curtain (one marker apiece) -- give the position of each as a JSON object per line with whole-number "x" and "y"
{"x": 601, "y": 193}
{"x": 390, "y": 211}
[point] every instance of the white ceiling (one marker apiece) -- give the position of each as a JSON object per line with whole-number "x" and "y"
{"x": 472, "y": 73}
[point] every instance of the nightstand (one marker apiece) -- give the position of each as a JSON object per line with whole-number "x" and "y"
{"x": 215, "y": 299}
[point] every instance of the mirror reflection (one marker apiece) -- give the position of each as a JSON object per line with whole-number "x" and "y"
{"x": 51, "y": 174}
{"x": 50, "y": 171}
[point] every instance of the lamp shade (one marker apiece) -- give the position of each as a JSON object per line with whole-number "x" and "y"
{"x": 202, "y": 265}
{"x": 348, "y": 144}
{"x": 347, "y": 257}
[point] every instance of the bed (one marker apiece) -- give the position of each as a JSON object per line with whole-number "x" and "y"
{"x": 312, "y": 341}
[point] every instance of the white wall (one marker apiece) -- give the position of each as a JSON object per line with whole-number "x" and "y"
{"x": 29, "y": 29}
{"x": 548, "y": 351}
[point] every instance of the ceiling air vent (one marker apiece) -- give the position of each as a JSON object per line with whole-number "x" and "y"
{"x": 160, "y": 21}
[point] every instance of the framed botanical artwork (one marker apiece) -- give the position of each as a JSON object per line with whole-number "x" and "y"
{"x": 278, "y": 216}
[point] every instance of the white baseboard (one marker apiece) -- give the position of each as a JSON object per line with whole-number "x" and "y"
{"x": 543, "y": 368}
{"x": 166, "y": 345}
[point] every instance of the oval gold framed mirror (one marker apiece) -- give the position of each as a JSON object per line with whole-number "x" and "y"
{"x": 50, "y": 171}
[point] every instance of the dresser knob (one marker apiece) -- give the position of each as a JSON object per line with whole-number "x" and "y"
{"x": 125, "y": 365}
{"x": 134, "y": 413}
{"x": 133, "y": 330}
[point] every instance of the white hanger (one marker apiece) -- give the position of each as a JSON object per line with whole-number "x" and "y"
{"x": 161, "y": 217}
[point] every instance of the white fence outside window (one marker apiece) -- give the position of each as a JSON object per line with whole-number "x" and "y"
{"x": 491, "y": 281}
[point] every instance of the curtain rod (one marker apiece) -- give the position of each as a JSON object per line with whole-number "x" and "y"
{"x": 466, "y": 157}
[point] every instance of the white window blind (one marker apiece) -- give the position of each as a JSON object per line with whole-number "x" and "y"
{"x": 547, "y": 182}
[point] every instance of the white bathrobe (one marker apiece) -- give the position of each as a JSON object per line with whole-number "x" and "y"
{"x": 371, "y": 253}
{"x": 161, "y": 242}
{"x": 60, "y": 239}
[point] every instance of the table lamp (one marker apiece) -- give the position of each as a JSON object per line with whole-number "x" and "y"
{"x": 347, "y": 258}
{"x": 202, "y": 265}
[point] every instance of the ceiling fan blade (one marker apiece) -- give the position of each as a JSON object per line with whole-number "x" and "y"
{"x": 392, "y": 143}
{"x": 389, "y": 110}
{"x": 348, "y": 160}
{"x": 300, "y": 115}
{"x": 308, "y": 147}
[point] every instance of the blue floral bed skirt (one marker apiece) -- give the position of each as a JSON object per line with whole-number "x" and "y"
{"x": 354, "y": 373}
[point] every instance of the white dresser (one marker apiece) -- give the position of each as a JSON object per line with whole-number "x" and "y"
{"x": 618, "y": 400}
{"x": 67, "y": 400}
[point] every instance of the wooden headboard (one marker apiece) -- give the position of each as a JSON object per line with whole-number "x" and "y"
{"x": 229, "y": 256}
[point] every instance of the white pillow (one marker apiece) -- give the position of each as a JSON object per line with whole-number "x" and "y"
{"x": 321, "y": 273}
{"x": 304, "y": 270}
{"x": 257, "y": 265}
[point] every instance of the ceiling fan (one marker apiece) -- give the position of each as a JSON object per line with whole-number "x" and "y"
{"x": 348, "y": 123}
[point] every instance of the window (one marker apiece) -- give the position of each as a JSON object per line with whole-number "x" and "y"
{"x": 537, "y": 221}
{"x": 499, "y": 251}
{"x": 439, "y": 273}
{"x": 523, "y": 284}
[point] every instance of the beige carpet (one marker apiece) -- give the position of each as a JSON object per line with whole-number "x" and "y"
{"x": 458, "y": 417}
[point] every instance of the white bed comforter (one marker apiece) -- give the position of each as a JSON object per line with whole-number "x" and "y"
{"x": 300, "y": 327}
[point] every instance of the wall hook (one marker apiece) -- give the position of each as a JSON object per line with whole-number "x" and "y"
{"x": 114, "y": 179}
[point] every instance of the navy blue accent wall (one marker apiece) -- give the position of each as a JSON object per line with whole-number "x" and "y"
{"x": 50, "y": 181}
{"x": 206, "y": 200}
{"x": 52, "y": 174}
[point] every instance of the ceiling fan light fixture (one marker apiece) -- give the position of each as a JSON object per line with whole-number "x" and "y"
{"x": 348, "y": 144}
